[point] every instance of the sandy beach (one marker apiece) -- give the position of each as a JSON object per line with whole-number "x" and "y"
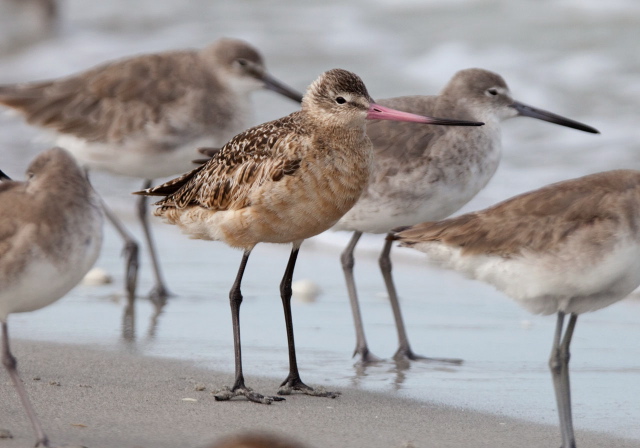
{"x": 122, "y": 393}
{"x": 101, "y": 399}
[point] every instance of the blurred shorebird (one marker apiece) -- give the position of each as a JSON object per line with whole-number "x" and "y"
{"x": 50, "y": 236}
{"x": 256, "y": 440}
{"x": 568, "y": 248}
{"x": 24, "y": 22}
{"x": 143, "y": 116}
{"x": 425, "y": 173}
{"x": 282, "y": 182}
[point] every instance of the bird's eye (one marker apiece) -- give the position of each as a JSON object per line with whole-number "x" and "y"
{"x": 493, "y": 92}
{"x": 242, "y": 62}
{"x": 340, "y": 100}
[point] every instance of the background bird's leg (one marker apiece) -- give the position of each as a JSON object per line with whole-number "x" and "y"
{"x": 404, "y": 351}
{"x": 130, "y": 252}
{"x": 362, "y": 348}
{"x": 559, "y": 365}
{"x": 159, "y": 293}
{"x": 10, "y": 363}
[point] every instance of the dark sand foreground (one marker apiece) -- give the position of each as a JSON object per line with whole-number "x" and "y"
{"x": 97, "y": 399}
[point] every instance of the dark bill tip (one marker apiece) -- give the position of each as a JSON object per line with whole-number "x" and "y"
{"x": 450, "y": 122}
{"x": 533, "y": 112}
{"x": 209, "y": 152}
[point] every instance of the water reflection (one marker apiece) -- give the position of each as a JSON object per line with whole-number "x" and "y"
{"x": 158, "y": 308}
{"x": 395, "y": 372}
{"x": 129, "y": 321}
{"x": 128, "y": 326}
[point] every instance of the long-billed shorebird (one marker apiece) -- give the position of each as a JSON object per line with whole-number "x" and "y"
{"x": 50, "y": 236}
{"x": 568, "y": 248}
{"x": 144, "y": 116}
{"x": 426, "y": 173}
{"x": 282, "y": 182}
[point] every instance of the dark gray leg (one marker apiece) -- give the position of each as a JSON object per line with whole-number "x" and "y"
{"x": 404, "y": 351}
{"x": 130, "y": 252}
{"x": 10, "y": 363}
{"x": 239, "y": 388}
{"x": 159, "y": 293}
{"x": 559, "y": 366}
{"x": 347, "y": 260}
{"x": 293, "y": 381}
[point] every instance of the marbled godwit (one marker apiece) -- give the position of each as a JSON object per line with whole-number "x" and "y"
{"x": 426, "y": 173}
{"x": 50, "y": 236}
{"x": 282, "y": 182}
{"x": 143, "y": 117}
{"x": 568, "y": 248}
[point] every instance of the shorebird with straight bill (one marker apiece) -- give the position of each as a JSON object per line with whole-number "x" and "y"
{"x": 425, "y": 173}
{"x": 144, "y": 116}
{"x": 568, "y": 248}
{"x": 50, "y": 236}
{"x": 282, "y": 182}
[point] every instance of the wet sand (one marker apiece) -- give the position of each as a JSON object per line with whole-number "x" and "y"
{"x": 103, "y": 399}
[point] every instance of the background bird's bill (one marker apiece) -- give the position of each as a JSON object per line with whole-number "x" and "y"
{"x": 533, "y": 112}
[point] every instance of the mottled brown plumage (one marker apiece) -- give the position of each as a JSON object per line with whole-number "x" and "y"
{"x": 282, "y": 181}
{"x": 248, "y": 161}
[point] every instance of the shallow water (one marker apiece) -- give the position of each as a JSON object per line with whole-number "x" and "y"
{"x": 505, "y": 350}
{"x": 576, "y": 58}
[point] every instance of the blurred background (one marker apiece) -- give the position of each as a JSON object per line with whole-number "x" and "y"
{"x": 577, "y": 58}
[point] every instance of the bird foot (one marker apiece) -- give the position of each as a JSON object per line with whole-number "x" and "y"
{"x": 226, "y": 394}
{"x": 291, "y": 385}
{"x": 159, "y": 295}
{"x": 366, "y": 357}
{"x": 406, "y": 354}
{"x": 43, "y": 442}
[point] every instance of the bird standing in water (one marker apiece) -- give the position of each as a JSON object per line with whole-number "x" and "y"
{"x": 426, "y": 173}
{"x": 144, "y": 116}
{"x": 568, "y": 248}
{"x": 282, "y": 182}
{"x": 50, "y": 236}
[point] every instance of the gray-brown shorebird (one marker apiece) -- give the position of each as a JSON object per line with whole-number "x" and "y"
{"x": 568, "y": 248}
{"x": 426, "y": 173}
{"x": 50, "y": 236}
{"x": 144, "y": 116}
